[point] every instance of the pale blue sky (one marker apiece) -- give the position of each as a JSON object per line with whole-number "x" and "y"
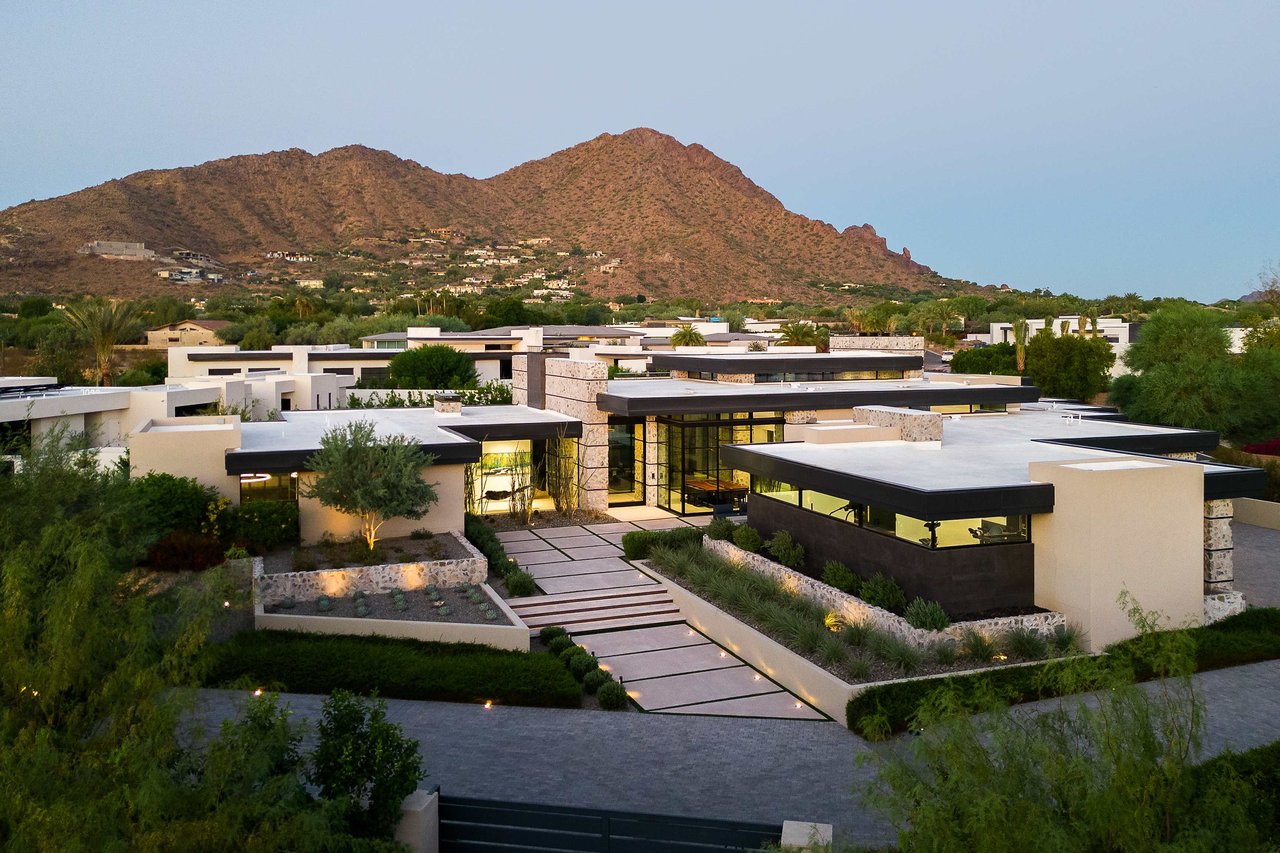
{"x": 1089, "y": 147}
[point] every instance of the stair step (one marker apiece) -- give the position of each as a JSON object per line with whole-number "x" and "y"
{"x": 573, "y": 607}
{"x": 631, "y": 622}
{"x": 569, "y": 621}
{"x": 587, "y": 595}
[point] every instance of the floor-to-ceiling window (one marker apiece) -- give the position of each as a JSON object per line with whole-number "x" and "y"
{"x": 626, "y": 461}
{"x": 691, "y": 478}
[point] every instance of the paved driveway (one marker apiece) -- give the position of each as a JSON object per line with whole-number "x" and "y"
{"x": 1257, "y": 563}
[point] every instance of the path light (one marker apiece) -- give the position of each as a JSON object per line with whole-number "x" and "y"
{"x": 1000, "y": 657}
{"x": 724, "y": 654}
{"x": 799, "y": 705}
{"x": 488, "y": 703}
{"x": 226, "y": 604}
{"x": 257, "y": 692}
{"x": 757, "y": 676}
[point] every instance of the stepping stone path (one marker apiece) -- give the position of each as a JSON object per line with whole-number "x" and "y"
{"x": 630, "y": 622}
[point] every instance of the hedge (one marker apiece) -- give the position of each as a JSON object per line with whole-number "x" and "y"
{"x": 481, "y": 535}
{"x": 1260, "y": 769}
{"x": 637, "y": 544}
{"x": 296, "y": 662}
{"x": 1245, "y": 638}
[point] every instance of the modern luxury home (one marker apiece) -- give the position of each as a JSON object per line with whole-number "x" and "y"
{"x": 967, "y": 490}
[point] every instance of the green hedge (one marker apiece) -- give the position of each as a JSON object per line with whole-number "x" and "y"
{"x": 1245, "y": 638}
{"x": 481, "y": 535}
{"x": 637, "y": 544}
{"x": 295, "y": 662}
{"x": 1260, "y": 769}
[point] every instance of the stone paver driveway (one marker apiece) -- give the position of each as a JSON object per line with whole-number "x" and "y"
{"x": 629, "y": 621}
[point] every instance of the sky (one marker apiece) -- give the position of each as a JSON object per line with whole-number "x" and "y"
{"x": 1084, "y": 147}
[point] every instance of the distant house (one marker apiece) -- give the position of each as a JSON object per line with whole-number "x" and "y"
{"x": 186, "y": 333}
{"x": 117, "y": 250}
{"x": 311, "y": 283}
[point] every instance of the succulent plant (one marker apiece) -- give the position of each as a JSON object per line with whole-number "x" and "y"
{"x": 444, "y": 611}
{"x": 490, "y": 615}
{"x": 324, "y": 604}
{"x": 288, "y": 603}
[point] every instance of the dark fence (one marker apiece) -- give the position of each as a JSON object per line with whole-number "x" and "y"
{"x": 489, "y": 825}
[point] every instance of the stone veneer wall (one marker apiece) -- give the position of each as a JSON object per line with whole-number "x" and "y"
{"x": 905, "y": 344}
{"x": 651, "y": 460}
{"x": 1219, "y": 571}
{"x": 1221, "y": 605}
{"x": 853, "y": 609}
{"x": 913, "y": 425}
{"x": 520, "y": 380}
{"x": 274, "y": 588}
{"x": 571, "y": 389}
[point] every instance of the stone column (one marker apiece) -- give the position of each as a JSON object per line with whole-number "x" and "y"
{"x": 520, "y": 380}
{"x": 571, "y": 389}
{"x": 651, "y": 460}
{"x": 1219, "y": 574}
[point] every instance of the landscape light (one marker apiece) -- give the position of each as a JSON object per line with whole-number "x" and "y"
{"x": 488, "y": 703}
{"x": 257, "y": 692}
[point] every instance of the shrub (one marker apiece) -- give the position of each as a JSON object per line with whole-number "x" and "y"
{"x": 183, "y": 550}
{"x": 365, "y": 763}
{"x": 568, "y": 652}
{"x": 637, "y": 544}
{"x": 303, "y": 561}
{"x": 1026, "y": 643}
{"x": 398, "y": 669}
{"x": 163, "y": 503}
{"x": 1067, "y": 640}
{"x": 945, "y": 652}
{"x": 976, "y": 646}
{"x": 556, "y": 645}
{"x": 437, "y": 367}
{"x": 479, "y": 534}
{"x": 236, "y": 553}
{"x": 520, "y": 584}
{"x": 612, "y": 696}
{"x": 926, "y": 615}
{"x": 840, "y": 576}
{"x": 901, "y": 654}
{"x": 785, "y": 549}
{"x": 884, "y": 593}
{"x": 594, "y": 680}
{"x": 582, "y": 663}
{"x": 262, "y": 526}
{"x": 720, "y": 529}
{"x": 748, "y": 538}
{"x": 550, "y": 632}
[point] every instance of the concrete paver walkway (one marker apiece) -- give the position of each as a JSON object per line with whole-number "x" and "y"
{"x": 631, "y": 623}
{"x": 715, "y": 767}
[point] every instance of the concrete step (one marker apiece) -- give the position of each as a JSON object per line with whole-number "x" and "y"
{"x": 590, "y": 595}
{"x": 606, "y": 625}
{"x": 572, "y": 621}
{"x": 592, "y": 605}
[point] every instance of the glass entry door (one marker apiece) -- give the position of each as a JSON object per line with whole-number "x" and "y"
{"x": 626, "y": 461}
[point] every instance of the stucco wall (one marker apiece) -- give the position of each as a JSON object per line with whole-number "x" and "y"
{"x": 196, "y": 447}
{"x": 315, "y": 519}
{"x": 1112, "y": 529}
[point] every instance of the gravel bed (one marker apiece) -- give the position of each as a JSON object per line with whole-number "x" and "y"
{"x": 420, "y": 607}
{"x": 341, "y": 555}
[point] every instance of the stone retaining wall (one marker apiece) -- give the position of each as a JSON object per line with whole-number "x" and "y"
{"x": 1221, "y": 605}
{"x": 853, "y": 609}
{"x": 304, "y": 586}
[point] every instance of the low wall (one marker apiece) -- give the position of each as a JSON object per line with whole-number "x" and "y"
{"x": 1259, "y": 513}
{"x": 272, "y": 589}
{"x": 853, "y": 609}
{"x": 1219, "y": 606}
{"x": 514, "y": 637}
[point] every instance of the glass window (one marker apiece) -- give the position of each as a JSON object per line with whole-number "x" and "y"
{"x": 776, "y": 489}
{"x": 888, "y": 374}
{"x": 268, "y": 487}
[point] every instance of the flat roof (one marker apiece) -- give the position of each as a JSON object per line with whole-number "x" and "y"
{"x": 979, "y": 468}
{"x": 635, "y": 397}
{"x": 286, "y": 445}
{"x": 785, "y": 362}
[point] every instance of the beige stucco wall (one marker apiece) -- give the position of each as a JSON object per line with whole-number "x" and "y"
{"x": 188, "y": 447}
{"x": 316, "y": 519}
{"x": 1260, "y": 513}
{"x": 1137, "y": 528}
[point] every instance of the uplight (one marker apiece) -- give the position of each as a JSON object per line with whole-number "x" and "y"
{"x": 488, "y": 703}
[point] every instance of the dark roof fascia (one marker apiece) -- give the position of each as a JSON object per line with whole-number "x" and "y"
{"x": 1158, "y": 444}
{"x": 782, "y": 362}
{"x": 929, "y": 505}
{"x": 790, "y": 401}
{"x": 280, "y": 461}
{"x": 518, "y": 432}
{"x": 242, "y": 355}
{"x": 356, "y": 355}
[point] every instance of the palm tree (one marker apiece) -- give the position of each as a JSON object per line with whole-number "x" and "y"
{"x": 856, "y": 318}
{"x": 1020, "y": 342}
{"x": 105, "y": 324}
{"x": 801, "y": 333}
{"x": 687, "y": 336}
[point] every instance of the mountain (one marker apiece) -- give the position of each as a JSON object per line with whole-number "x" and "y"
{"x": 682, "y": 220}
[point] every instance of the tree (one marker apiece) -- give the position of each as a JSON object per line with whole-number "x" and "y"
{"x": 104, "y": 324}
{"x": 437, "y": 367}
{"x": 372, "y": 478}
{"x": 1020, "y": 343}
{"x": 855, "y": 318}
{"x": 687, "y": 336}
{"x": 800, "y": 333}
{"x": 999, "y": 359}
{"x": 61, "y": 354}
{"x": 1070, "y": 366}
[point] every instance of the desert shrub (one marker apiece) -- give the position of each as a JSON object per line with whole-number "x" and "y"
{"x": 1067, "y": 640}
{"x": 748, "y": 538}
{"x": 568, "y": 652}
{"x": 520, "y": 584}
{"x": 899, "y": 653}
{"x": 720, "y": 529}
{"x": 594, "y": 680}
{"x": 976, "y": 646}
{"x": 550, "y": 632}
{"x": 926, "y": 615}
{"x": 840, "y": 576}
{"x": 945, "y": 652}
{"x": 235, "y": 552}
{"x": 612, "y": 696}
{"x": 183, "y": 550}
{"x": 884, "y": 593}
{"x": 1026, "y": 643}
{"x": 637, "y": 544}
{"x": 396, "y": 669}
{"x": 365, "y": 763}
{"x": 262, "y": 526}
{"x": 164, "y": 503}
{"x": 582, "y": 663}
{"x": 783, "y": 548}
{"x": 303, "y": 561}
{"x": 556, "y": 645}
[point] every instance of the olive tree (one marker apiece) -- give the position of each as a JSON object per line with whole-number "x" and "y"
{"x": 371, "y": 477}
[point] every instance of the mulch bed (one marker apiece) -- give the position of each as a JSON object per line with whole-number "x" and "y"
{"x": 341, "y": 555}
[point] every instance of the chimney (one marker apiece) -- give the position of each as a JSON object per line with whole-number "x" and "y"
{"x": 448, "y": 404}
